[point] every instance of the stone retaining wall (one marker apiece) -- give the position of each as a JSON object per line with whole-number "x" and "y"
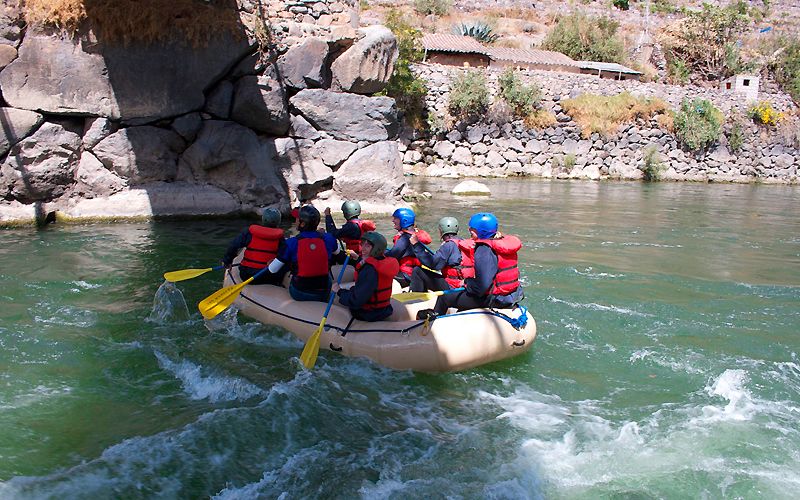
{"x": 497, "y": 150}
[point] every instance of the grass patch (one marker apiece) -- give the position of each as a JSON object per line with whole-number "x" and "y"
{"x": 603, "y": 114}
{"x": 149, "y": 21}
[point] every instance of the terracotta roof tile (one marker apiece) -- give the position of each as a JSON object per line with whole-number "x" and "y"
{"x": 451, "y": 43}
{"x": 532, "y": 56}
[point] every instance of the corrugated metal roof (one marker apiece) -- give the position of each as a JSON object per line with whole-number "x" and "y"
{"x": 604, "y": 66}
{"x": 529, "y": 56}
{"x": 451, "y": 43}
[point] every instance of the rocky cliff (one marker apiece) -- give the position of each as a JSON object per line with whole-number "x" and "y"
{"x": 277, "y": 113}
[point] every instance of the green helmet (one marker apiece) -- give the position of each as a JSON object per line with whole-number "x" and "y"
{"x": 448, "y": 225}
{"x": 377, "y": 241}
{"x": 351, "y": 209}
{"x": 270, "y": 217}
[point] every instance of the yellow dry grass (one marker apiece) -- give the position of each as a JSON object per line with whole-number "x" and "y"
{"x": 603, "y": 114}
{"x": 195, "y": 21}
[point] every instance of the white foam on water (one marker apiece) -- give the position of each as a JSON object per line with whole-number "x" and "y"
{"x": 598, "y": 307}
{"x": 82, "y": 285}
{"x": 52, "y": 314}
{"x": 34, "y": 396}
{"x": 214, "y": 387}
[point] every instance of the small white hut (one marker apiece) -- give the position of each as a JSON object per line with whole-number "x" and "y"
{"x": 744, "y": 84}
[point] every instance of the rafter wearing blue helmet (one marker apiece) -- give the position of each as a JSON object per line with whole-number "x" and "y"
{"x": 496, "y": 282}
{"x": 403, "y": 220}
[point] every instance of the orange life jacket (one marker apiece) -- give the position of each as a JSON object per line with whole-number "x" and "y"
{"x": 409, "y": 262}
{"x": 263, "y": 246}
{"x": 364, "y": 226}
{"x": 466, "y": 269}
{"x": 312, "y": 257}
{"x": 387, "y": 269}
{"x": 507, "y": 278}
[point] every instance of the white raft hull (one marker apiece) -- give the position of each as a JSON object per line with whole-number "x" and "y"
{"x": 448, "y": 344}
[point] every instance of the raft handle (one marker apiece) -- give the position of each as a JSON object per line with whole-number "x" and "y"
{"x": 339, "y": 349}
{"x": 518, "y": 344}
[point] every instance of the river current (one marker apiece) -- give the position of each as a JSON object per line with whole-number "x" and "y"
{"x": 665, "y": 366}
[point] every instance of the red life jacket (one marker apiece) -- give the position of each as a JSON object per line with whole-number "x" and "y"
{"x": 364, "y": 225}
{"x": 507, "y": 278}
{"x": 466, "y": 269}
{"x": 263, "y": 246}
{"x": 312, "y": 257}
{"x": 387, "y": 269}
{"x": 409, "y": 262}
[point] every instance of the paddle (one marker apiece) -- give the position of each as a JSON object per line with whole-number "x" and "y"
{"x": 422, "y": 296}
{"x": 186, "y": 274}
{"x": 311, "y": 350}
{"x": 221, "y": 299}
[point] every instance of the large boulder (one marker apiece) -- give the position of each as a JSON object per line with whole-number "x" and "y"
{"x": 141, "y": 154}
{"x": 135, "y": 83}
{"x": 303, "y": 65}
{"x": 17, "y": 124}
{"x": 305, "y": 174}
{"x": 366, "y": 66}
{"x": 348, "y": 117}
{"x": 259, "y": 102}
{"x": 94, "y": 179}
{"x": 374, "y": 173}
{"x": 233, "y": 158}
{"x": 41, "y": 167}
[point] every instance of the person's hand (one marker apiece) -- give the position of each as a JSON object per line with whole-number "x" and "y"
{"x": 227, "y": 266}
{"x": 335, "y": 287}
{"x": 327, "y": 210}
{"x": 352, "y": 254}
{"x": 413, "y": 239}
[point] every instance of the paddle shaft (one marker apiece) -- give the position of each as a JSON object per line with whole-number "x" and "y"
{"x": 311, "y": 350}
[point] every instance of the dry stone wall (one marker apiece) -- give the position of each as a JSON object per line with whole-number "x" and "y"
{"x": 489, "y": 149}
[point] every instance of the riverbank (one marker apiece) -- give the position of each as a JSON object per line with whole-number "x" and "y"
{"x": 492, "y": 147}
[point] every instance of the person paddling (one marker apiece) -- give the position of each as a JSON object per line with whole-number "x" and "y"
{"x": 261, "y": 244}
{"x": 453, "y": 259}
{"x": 496, "y": 281}
{"x": 352, "y": 230}
{"x": 309, "y": 255}
{"x": 370, "y": 298}
{"x": 403, "y": 220}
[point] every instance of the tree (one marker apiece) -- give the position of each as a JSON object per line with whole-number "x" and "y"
{"x": 586, "y": 38}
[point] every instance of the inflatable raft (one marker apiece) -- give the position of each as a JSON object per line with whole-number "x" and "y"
{"x": 450, "y": 343}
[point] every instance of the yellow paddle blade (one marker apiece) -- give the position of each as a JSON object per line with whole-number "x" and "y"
{"x": 415, "y": 296}
{"x": 310, "y": 351}
{"x": 185, "y": 274}
{"x": 221, "y": 299}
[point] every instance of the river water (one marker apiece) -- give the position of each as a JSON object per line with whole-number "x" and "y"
{"x": 666, "y": 364}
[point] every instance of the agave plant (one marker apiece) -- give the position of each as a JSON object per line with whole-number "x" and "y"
{"x": 478, "y": 30}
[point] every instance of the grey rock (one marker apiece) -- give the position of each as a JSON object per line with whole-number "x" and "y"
{"x": 41, "y": 167}
{"x": 218, "y": 102}
{"x": 462, "y": 155}
{"x": 374, "y": 173}
{"x": 94, "y": 179}
{"x": 187, "y": 126}
{"x": 303, "y": 65}
{"x": 95, "y": 130}
{"x": 135, "y": 83}
{"x": 260, "y": 103}
{"x": 348, "y": 117}
{"x": 7, "y": 54}
{"x": 302, "y": 129}
{"x": 141, "y": 154}
{"x": 333, "y": 153}
{"x": 474, "y": 135}
{"x": 366, "y": 66}
{"x": 444, "y": 149}
{"x": 495, "y": 160}
{"x": 454, "y": 136}
{"x": 784, "y": 161}
{"x": 17, "y": 124}
{"x": 479, "y": 149}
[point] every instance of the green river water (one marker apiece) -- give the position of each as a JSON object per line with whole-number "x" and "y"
{"x": 665, "y": 366}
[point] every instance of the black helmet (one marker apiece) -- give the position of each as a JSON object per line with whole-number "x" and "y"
{"x": 309, "y": 216}
{"x": 351, "y": 209}
{"x": 377, "y": 241}
{"x": 448, "y": 225}
{"x": 270, "y": 217}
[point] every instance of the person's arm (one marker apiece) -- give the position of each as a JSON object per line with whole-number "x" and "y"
{"x": 330, "y": 226}
{"x": 401, "y": 246}
{"x": 447, "y": 254}
{"x": 358, "y": 295}
{"x": 348, "y": 230}
{"x": 485, "y": 271}
{"x": 237, "y": 244}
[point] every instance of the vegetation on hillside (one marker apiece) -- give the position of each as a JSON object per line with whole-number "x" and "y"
{"x": 604, "y": 114}
{"x": 698, "y": 124}
{"x": 469, "y": 94}
{"x": 138, "y": 20}
{"x": 585, "y": 38}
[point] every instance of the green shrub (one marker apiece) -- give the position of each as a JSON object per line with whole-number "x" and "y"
{"x": 621, "y": 4}
{"x": 523, "y": 99}
{"x": 763, "y": 113}
{"x": 436, "y": 7}
{"x": 651, "y": 169}
{"x": 408, "y": 91}
{"x": 787, "y": 69}
{"x": 603, "y": 114}
{"x": 736, "y": 137}
{"x": 468, "y": 93}
{"x": 569, "y": 161}
{"x": 479, "y": 30}
{"x": 586, "y": 39}
{"x": 698, "y": 123}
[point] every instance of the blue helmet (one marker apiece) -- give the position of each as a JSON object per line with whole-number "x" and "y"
{"x": 406, "y": 216}
{"x": 484, "y": 224}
